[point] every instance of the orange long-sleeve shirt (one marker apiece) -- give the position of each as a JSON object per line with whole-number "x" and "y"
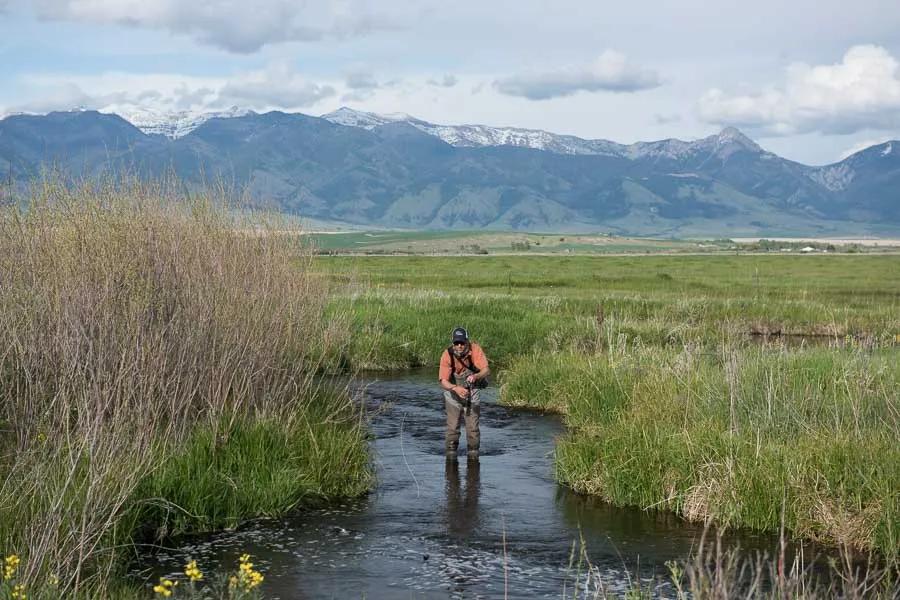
{"x": 478, "y": 359}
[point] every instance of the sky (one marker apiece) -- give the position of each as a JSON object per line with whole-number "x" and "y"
{"x": 812, "y": 81}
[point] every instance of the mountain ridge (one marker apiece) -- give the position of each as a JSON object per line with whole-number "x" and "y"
{"x": 394, "y": 174}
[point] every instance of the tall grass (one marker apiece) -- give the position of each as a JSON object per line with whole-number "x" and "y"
{"x": 741, "y": 437}
{"x": 142, "y": 333}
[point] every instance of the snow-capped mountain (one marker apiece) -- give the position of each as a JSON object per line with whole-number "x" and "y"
{"x": 722, "y": 145}
{"x": 403, "y": 176}
{"x": 176, "y": 124}
{"x": 470, "y": 136}
{"x": 172, "y": 124}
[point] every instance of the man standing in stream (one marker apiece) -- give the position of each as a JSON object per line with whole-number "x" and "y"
{"x": 463, "y": 372}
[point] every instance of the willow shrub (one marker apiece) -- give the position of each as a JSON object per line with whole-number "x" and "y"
{"x": 737, "y": 436}
{"x": 136, "y": 325}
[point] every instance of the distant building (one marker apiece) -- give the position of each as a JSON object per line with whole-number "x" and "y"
{"x": 808, "y": 249}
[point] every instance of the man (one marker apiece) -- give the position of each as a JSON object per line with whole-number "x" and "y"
{"x": 464, "y": 367}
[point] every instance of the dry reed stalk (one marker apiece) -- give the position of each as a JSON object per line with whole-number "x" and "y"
{"x": 129, "y": 316}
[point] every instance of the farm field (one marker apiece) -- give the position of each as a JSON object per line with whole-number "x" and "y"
{"x": 525, "y": 243}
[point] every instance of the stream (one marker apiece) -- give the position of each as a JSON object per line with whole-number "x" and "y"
{"x": 501, "y": 527}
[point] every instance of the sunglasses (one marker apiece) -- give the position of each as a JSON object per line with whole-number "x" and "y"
{"x": 460, "y": 343}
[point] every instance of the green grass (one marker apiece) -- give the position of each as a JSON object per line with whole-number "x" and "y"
{"x": 258, "y": 468}
{"x": 406, "y": 306}
{"x": 669, "y": 400}
{"x": 731, "y": 436}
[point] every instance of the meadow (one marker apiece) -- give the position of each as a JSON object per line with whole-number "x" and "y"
{"x": 749, "y": 391}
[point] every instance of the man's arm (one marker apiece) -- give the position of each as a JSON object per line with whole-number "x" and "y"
{"x": 480, "y": 374}
{"x": 481, "y": 363}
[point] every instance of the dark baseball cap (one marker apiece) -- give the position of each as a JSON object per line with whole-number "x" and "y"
{"x": 460, "y": 335}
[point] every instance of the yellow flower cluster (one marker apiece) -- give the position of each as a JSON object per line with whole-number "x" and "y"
{"x": 18, "y": 592}
{"x": 192, "y": 571}
{"x": 10, "y": 566}
{"x": 165, "y": 587}
{"x": 247, "y": 578}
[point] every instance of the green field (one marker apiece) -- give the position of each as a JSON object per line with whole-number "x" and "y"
{"x": 405, "y": 305}
{"x": 525, "y": 243}
{"x": 672, "y": 398}
{"x": 499, "y": 242}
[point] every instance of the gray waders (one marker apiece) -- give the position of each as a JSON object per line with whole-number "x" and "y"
{"x": 456, "y": 412}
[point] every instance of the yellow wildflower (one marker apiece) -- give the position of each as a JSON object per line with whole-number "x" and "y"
{"x": 18, "y": 592}
{"x": 10, "y": 566}
{"x": 165, "y": 587}
{"x": 192, "y": 571}
{"x": 247, "y": 578}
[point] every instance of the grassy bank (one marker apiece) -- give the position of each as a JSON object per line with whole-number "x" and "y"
{"x": 671, "y": 401}
{"x": 159, "y": 373}
{"x": 742, "y": 437}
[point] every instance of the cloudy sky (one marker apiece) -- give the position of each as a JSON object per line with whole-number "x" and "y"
{"x": 810, "y": 80}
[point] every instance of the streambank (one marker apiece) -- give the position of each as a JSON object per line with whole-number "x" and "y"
{"x": 499, "y": 528}
{"x": 756, "y": 437}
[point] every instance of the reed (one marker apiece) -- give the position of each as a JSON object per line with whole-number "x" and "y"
{"x": 144, "y": 331}
{"x": 716, "y": 572}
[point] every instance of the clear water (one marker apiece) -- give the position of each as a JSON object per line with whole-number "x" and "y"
{"x": 433, "y": 529}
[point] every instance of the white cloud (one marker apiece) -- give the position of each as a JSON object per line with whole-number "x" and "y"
{"x": 611, "y": 72}
{"x": 861, "y": 92}
{"x": 446, "y": 81}
{"x": 666, "y": 119}
{"x": 274, "y": 87}
{"x": 235, "y": 25}
{"x": 361, "y": 80}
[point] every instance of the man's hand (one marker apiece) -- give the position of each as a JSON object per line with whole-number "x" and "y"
{"x": 471, "y": 379}
{"x": 461, "y": 392}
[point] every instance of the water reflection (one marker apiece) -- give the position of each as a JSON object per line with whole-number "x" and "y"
{"x": 462, "y": 505}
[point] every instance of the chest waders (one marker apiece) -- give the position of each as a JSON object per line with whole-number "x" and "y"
{"x": 460, "y": 380}
{"x": 459, "y": 409}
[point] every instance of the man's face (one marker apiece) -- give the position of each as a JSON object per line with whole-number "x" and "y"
{"x": 460, "y": 348}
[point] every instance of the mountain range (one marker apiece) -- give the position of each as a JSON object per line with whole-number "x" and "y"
{"x": 372, "y": 170}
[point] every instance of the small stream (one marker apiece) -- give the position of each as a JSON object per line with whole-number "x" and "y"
{"x": 437, "y": 529}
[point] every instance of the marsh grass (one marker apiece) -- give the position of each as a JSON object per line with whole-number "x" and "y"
{"x": 714, "y": 572}
{"x": 670, "y": 400}
{"x": 731, "y": 435}
{"x": 147, "y": 335}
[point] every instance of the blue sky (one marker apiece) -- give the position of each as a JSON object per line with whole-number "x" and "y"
{"x": 810, "y": 81}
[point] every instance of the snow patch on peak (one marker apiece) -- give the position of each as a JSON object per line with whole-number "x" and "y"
{"x": 359, "y": 118}
{"x": 887, "y": 150}
{"x": 174, "y": 124}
